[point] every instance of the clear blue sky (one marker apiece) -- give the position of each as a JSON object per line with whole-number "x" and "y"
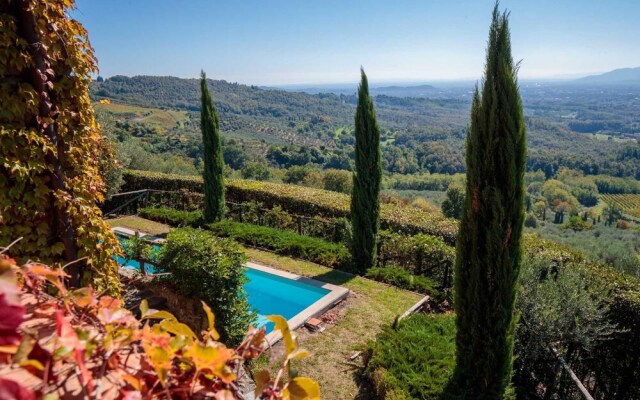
{"x": 276, "y": 42}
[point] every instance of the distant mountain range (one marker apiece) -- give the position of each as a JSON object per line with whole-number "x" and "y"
{"x": 395, "y": 91}
{"x": 617, "y": 76}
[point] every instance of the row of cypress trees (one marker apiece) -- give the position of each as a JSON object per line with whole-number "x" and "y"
{"x": 489, "y": 249}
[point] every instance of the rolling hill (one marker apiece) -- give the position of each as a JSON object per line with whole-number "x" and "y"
{"x": 617, "y": 76}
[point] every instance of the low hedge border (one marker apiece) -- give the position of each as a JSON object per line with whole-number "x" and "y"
{"x": 287, "y": 243}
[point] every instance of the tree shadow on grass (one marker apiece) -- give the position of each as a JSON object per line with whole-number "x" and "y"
{"x": 334, "y": 277}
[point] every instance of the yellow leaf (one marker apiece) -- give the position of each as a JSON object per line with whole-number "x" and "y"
{"x": 32, "y": 363}
{"x": 160, "y": 358}
{"x": 211, "y": 318}
{"x": 177, "y": 328}
{"x": 297, "y": 354}
{"x": 213, "y": 359}
{"x": 144, "y": 307}
{"x": 262, "y": 379}
{"x": 302, "y": 389}
{"x": 153, "y": 314}
{"x": 283, "y": 327}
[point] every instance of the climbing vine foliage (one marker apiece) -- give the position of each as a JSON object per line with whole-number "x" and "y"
{"x": 50, "y": 144}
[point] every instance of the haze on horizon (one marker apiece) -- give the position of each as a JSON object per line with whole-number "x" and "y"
{"x": 293, "y": 43}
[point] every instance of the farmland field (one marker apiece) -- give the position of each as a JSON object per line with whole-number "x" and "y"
{"x": 628, "y": 203}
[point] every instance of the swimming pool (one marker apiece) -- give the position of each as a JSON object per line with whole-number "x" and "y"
{"x": 267, "y": 293}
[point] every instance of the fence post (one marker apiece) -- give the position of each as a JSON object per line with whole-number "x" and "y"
{"x": 299, "y": 225}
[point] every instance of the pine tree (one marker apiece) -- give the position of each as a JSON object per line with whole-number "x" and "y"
{"x": 365, "y": 198}
{"x": 489, "y": 247}
{"x": 213, "y": 162}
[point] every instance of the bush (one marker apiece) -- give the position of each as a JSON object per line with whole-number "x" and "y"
{"x": 256, "y": 170}
{"x": 286, "y": 243}
{"x": 531, "y": 221}
{"x": 560, "y": 306}
{"x": 399, "y": 277}
{"x": 452, "y": 205}
{"x": 612, "y": 363}
{"x": 211, "y": 269}
{"x": 576, "y": 224}
{"x": 419, "y": 254}
{"x": 338, "y": 180}
{"x": 622, "y": 224}
{"x": 413, "y": 360}
{"x": 302, "y": 201}
{"x": 172, "y": 216}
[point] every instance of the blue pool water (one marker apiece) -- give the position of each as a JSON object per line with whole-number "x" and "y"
{"x": 267, "y": 293}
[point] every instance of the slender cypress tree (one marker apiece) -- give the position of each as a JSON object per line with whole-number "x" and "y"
{"x": 213, "y": 161}
{"x": 365, "y": 197}
{"x": 489, "y": 247}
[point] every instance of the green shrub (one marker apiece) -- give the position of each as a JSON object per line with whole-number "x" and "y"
{"x": 302, "y": 201}
{"x": 401, "y": 278}
{"x": 531, "y": 221}
{"x": 419, "y": 254}
{"x": 172, "y": 216}
{"x": 576, "y": 224}
{"x": 212, "y": 270}
{"x": 612, "y": 363}
{"x": 559, "y": 305}
{"x": 413, "y": 360}
{"x": 286, "y": 243}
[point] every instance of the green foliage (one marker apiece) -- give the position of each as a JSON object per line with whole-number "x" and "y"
{"x": 613, "y": 363}
{"x": 452, "y": 205}
{"x": 212, "y": 270}
{"x": 51, "y": 145}
{"x": 256, "y": 170}
{"x": 365, "y": 198}
{"x": 302, "y": 201}
{"x": 489, "y": 249}
{"x": 576, "y": 224}
{"x": 213, "y": 161}
{"x": 172, "y": 216}
{"x": 413, "y": 360}
{"x": 531, "y": 221}
{"x": 286, "y": 243}
{"x": 296, "y": 174}
{"x": 559, "y": 306}
{"x": 420, "y": 254}
{"x": 338, "y": 181}
{"x": 399, "y": 277}
{"x": 424, "y": 181}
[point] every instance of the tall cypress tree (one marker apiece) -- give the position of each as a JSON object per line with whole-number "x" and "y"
{"x": 365, "y": 197}
{"x": 213, "y": 161}
{"x": 489, "y": 247}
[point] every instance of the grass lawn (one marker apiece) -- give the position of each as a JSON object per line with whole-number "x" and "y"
{"x": 369, "y": 306}
{"x": 140, "y": 224}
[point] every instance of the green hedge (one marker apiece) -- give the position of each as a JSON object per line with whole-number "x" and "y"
{"x": 211, "y": 269}
{"x": 171, "y": 216}
{"x": 413, "y": 360}
{"x": 301, "y": 200}
{"x": 399, "y": 277}
{"x": 286, "y": 243}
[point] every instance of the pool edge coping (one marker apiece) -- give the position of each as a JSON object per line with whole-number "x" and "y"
{"x": 319, "y": 307}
